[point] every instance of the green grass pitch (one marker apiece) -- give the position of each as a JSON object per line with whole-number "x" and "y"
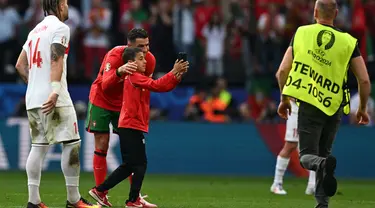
{"x": 192, "y": 192}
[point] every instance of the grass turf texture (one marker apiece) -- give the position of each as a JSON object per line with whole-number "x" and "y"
{"x": 191, "y": 192}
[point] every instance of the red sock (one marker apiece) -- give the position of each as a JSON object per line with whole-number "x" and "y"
{"x": 131, "y": 179}
{"x": 100, "y": 166}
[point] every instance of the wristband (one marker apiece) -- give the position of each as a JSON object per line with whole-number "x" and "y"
{"x": 118, "y": 74}
{"x": 56, "y": 87}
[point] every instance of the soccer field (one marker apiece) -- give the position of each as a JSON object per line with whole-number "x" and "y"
{"x": 192, "y": 192}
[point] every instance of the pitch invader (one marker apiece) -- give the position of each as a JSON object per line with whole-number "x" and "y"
{"x": 52, "y": 118}
{"x": 106, "y": 101}
{"x": 291, "y": 144}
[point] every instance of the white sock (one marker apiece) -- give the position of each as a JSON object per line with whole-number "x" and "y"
{"x": 71, "y": 168}
{"x": 311, "y": 182}
{"x": 281, "y": 166}
{"x": 34, "y": 171}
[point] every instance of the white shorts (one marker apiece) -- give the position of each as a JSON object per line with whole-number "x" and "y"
{"x": 291, "y": 134}
{"x": 58, "y": 126}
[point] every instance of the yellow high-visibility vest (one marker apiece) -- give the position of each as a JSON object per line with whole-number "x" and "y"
{"x": 321, "y": 60}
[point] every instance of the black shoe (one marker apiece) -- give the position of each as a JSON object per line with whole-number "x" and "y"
{"x": 329, "y": 180}
{"x": 82, "y": 203}
{"x": 40, "y": 205}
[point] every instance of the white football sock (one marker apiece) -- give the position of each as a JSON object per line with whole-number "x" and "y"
{"x": 71, "y": 168}
{"x": 311, "y": 182}
{"x": 34, "y": 171}
{"x": 281, "y": 166}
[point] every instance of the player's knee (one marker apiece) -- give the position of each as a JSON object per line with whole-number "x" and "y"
{"x": 102, "y": 141}
{"x": 31, "y": 170}
{"x": 137, "y": 161}
{"x": 74, "y": 153}
{"x": 74, "y": 156}
{"x": 123, "y": 165}
{"x": 290, "y": 146}
{"x": 140, "y": 169}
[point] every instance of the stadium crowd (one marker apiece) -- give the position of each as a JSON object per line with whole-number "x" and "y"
{"x": 238, "y": 43}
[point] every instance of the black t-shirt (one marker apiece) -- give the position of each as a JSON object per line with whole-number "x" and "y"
{"x": 356, "y": 51}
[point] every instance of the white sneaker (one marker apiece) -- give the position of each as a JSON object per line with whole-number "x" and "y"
{"x": 278, "y": 189}
{"x": 146, "y": 203}
{"x": 310, "y": 190}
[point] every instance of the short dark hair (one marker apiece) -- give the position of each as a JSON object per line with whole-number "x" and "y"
{"x": 129, "y": 54}
{"x": 327, "y": 9}
{"x": 137, "y": 33}
{"x": 51, "y": 6}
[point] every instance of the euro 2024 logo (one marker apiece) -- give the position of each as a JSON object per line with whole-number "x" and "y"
{"x": 325, "y": 40}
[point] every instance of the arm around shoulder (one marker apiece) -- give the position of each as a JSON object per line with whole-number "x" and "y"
{"x": 110, "y": 75}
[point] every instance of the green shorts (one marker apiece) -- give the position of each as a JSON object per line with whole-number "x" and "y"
{"x": 98, "y": 119}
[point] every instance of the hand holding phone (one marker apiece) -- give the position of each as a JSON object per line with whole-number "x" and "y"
{"x": 182, "y": 56}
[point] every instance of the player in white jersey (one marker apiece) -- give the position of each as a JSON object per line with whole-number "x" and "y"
{"x": 52, "y": 118}
{"x": 291, "y": 143}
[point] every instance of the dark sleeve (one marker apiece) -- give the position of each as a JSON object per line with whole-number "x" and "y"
{"x": 291, "y": 44}
{"x": 356, "y": 52}
{"x": 291, "y": 41}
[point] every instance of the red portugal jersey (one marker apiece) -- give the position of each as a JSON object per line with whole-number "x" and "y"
{"x": 135, "y": 111}
{"x": 107, "y": 90}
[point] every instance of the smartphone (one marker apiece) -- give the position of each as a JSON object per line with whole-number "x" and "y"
{"x": 182, "y": 56}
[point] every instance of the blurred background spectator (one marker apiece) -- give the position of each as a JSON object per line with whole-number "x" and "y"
{"x": 161, "y": 31}
{"x": 271, "y": 25}
{"x": 96, "y": 41}
{"x": 214, "y": 34}
{"x": 34, "y": 14}
{"x": 184, "y": 28}
{"x": 234, "y": 48}
{"x": 9, "y": 24}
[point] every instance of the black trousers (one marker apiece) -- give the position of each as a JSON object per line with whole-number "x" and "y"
{"x": 133, "y": 148}
{"x": 134, "y": 160}
{"x": 317, "y": 132}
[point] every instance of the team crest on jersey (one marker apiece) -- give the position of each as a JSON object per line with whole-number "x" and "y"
{"x": 94, "y": 123}
{"x": 107, "y": 67}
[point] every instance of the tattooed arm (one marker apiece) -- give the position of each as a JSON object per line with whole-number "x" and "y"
{"x": 60, "y": 41}
{"x": 57, "y": 61}
{"x": 22, "y": 66}
{"x": 57, "y": 67}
